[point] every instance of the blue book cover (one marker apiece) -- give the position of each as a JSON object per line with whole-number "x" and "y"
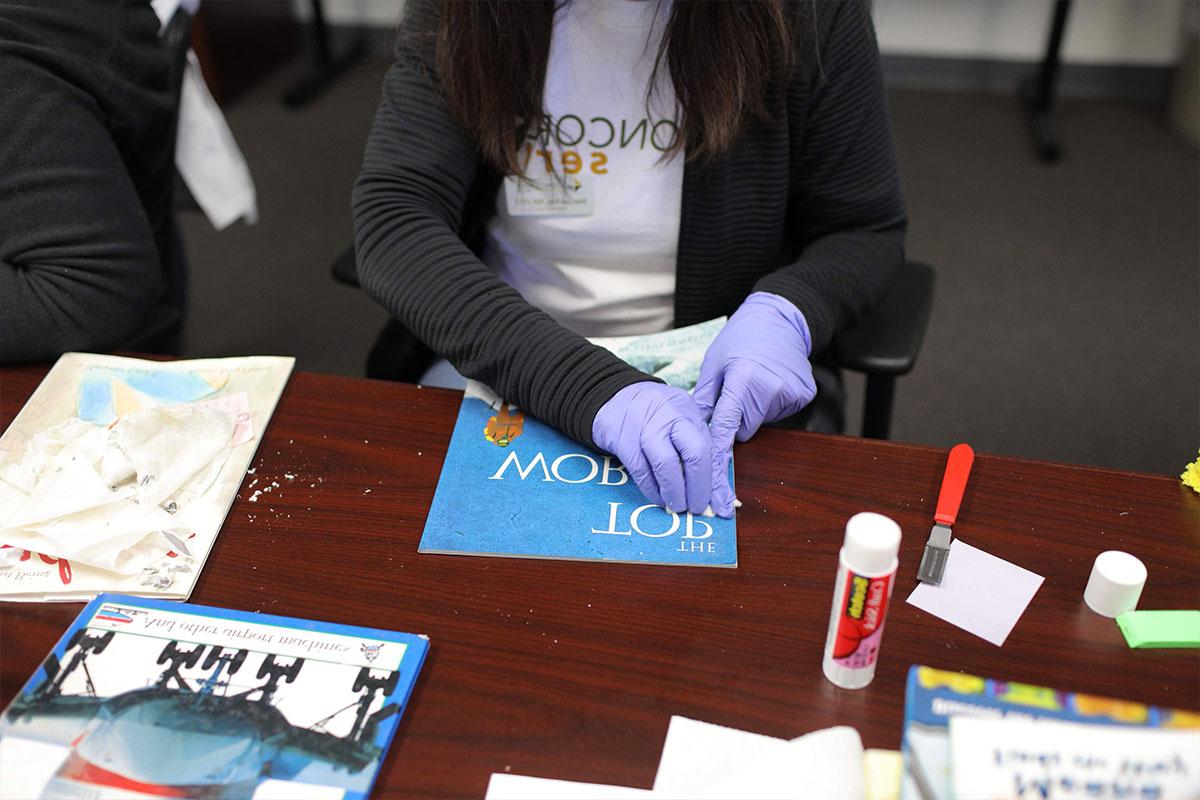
{"x": 513, "y": 486}
{"x": 932, "y": 696}
{"x": 149, "y": 698}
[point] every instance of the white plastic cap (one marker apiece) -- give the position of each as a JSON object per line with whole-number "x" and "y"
{"x": 872, "y": 543}
{"x": 1115, "y": 584}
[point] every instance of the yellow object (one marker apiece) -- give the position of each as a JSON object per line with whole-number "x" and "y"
{"x": 1191, "y": 476}
{"x": 127, "y": 400}
{"x": 1120, "y": 710}
{"x": 504, "y": 426}
{"x": 883, "y": 769}
{"x": 931, "y": 678}
{"x": 1177, "y": 718}
{"x": 214, "y": 378}
{"x": 1033, "y": 696}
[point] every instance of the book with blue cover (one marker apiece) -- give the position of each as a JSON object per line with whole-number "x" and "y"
{"x": 148, "y": 698}
{"x": 513, "y": 486}
{"x": 933, "y": 696}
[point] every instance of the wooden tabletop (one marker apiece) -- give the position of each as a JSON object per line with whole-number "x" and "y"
{"x": 572, "y": 669}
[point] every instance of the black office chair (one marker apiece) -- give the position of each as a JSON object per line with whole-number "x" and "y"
{"x": 883, "y": 346}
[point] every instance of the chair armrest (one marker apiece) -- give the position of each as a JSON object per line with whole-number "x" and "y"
{"x": 345, "y": 268}
{"x": 887, "y": 341}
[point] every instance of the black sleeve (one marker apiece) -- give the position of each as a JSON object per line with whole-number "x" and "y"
{"x": 846, "y": 212}
{"x": 79, "y": 268}
{"x": 408, "y": 203}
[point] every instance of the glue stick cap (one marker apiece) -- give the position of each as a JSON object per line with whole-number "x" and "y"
{"x": 1115, "y": 584}
{"x": 872, "y": 543}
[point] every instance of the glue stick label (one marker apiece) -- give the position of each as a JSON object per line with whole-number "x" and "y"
{"x": 860, "y": 620}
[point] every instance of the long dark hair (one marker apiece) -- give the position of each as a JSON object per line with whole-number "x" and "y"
{"x": 722, "y": 55}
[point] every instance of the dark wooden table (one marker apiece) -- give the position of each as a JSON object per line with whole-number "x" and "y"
{"x": 572, "y": 669}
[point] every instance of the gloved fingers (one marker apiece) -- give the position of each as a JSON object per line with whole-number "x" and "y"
{"x": 756, "y": 409}
{"x": 722, "y": 491}
{"x": 694, "y": 445}
{"x": 668, "y": 472}
{"x": 642, "y": 475}
{"x": 769, "y": 398}
{"x": 726, "y": 417}
{"x": 708, "y": 386}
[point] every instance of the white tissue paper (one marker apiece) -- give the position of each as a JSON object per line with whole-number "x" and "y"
{"x": 703, "y": 760}
{"x": 108, "y": 496}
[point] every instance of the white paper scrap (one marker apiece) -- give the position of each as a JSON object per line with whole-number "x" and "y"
{"x": 980, "y": 593}
{"x": 822, "y": 765}
{"x": 504, "y": 786}
{"x": 697, "y": 754}
{"x": 703, "y": 760}
{"x": 1053, "y": 760}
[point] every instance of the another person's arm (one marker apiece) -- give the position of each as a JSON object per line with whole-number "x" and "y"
{"x": 846, "y": 211}
{"x": 79, "y": 269}
{"x": 847, "y": 223}
{"x": 408, "y": 204}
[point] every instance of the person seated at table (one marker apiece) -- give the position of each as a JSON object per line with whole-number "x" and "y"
{"x": 540, "y": 172}
{"x": 86, "y": 175}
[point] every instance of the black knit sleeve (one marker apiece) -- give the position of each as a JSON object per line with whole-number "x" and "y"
{"x": 845, "y": 211}
{"x": 408, "y": 203}
{"x": 79, "y": 267}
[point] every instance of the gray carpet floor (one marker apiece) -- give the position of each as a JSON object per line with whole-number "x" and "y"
{"x": 1067, "y": 319}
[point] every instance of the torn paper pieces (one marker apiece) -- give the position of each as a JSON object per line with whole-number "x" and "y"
{"x": 236, "y": 406}
{"x": 169, "y": 445}
{"x": 39, "y": 450}
{"x": 122, "y": 538}
{"x": 98, "y": 498}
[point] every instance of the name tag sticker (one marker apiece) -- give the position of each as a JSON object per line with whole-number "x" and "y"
{"x": 549, "y": 196}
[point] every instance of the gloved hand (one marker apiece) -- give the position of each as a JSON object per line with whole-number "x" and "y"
{"x": 660, "y": 436}
{"x": 755, "y": 371}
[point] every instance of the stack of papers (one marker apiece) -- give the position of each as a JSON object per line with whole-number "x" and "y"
{"x": 702, "y": 760}
{"x": 118, "y": 472}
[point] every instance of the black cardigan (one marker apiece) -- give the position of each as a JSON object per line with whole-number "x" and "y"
{"x": 808, "y": 208}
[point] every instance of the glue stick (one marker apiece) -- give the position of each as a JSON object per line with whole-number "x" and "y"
{"x": 866, "y": 571}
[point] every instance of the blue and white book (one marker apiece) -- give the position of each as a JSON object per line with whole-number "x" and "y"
{"x": 148, "y": 698}
{"x": 514, "y": 486}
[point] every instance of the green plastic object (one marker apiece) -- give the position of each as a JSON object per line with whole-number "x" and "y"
{"x": 1160, "y": 628}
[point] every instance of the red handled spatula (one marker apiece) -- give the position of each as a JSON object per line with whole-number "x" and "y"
{"x": 954, "y": 483}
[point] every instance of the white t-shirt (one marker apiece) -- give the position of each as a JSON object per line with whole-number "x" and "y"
{"x": 611, "y": 271}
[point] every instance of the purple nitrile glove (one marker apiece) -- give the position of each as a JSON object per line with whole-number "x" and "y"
{"x": 660, "y": 436}
{"x": 755, "y": 371}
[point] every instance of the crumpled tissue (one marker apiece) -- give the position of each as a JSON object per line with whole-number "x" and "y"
{"x": 106, "y": 496}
